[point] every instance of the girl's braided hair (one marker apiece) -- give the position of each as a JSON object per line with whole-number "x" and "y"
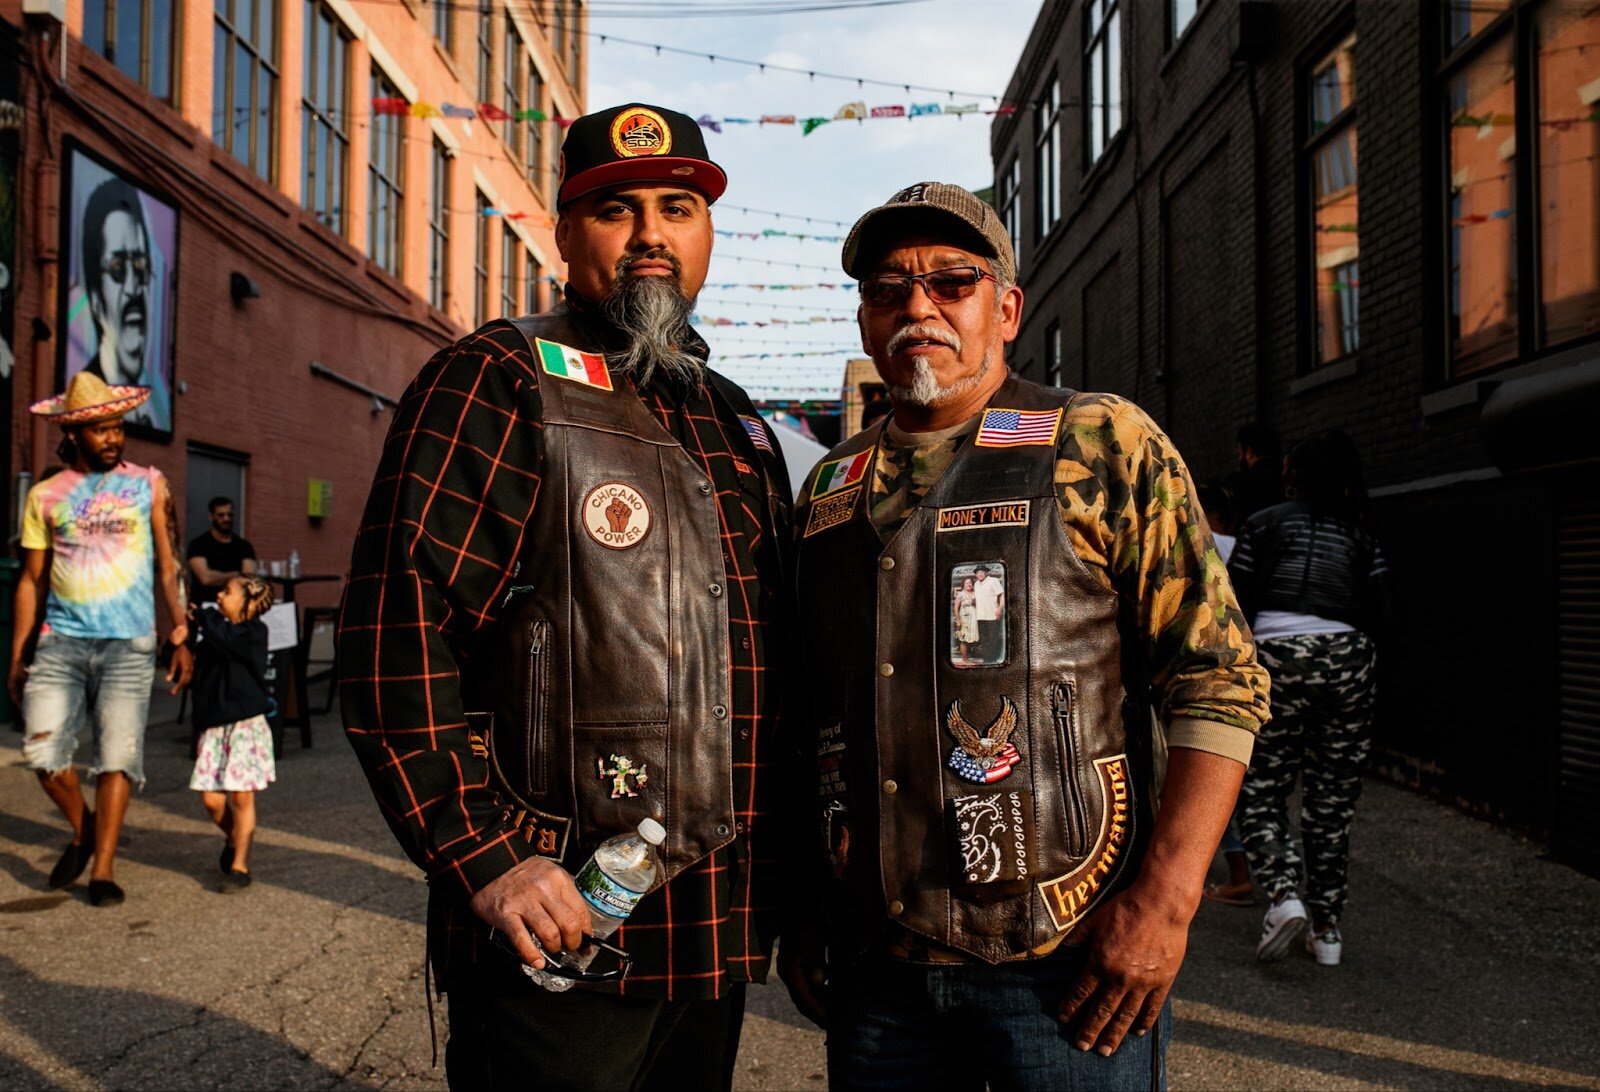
{"x": 257, "y": 595}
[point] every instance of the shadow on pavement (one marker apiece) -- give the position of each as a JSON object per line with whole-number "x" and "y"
{"x": 92, "y": 1036}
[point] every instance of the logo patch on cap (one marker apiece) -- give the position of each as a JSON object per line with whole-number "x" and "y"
{"x": 640, "y": 131}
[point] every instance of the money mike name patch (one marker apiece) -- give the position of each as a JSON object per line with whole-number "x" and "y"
{"x": 972, "y": 516}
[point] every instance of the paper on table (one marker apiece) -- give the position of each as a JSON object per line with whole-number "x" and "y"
{"x": 282, "y": 632}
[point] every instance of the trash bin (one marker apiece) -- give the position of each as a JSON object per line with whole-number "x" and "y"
{"x": 9, "y": 568}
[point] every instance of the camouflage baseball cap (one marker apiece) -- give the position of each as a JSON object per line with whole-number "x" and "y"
{"x": 932, "y": 205}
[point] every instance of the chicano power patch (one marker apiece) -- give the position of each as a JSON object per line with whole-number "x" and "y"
{"x": 616, "y": 515}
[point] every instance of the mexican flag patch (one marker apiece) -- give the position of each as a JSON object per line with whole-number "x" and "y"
{"x": 569, "y": 363}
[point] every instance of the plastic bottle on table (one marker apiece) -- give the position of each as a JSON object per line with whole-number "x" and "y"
{"x": 612, "y": 883}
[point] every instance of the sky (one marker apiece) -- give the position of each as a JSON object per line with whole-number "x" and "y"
{"x": 835, "y": 174}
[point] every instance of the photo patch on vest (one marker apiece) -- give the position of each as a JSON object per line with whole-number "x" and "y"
{"x": 978, "y": 614}
{"x": 991, "y": 843}
{"x": 616, "y": 515}
{"x": 972, "y": 516}
{"x": 987, "y": 756}
{"x": 1067, "y": 898}
{"x": 831, "y": 511}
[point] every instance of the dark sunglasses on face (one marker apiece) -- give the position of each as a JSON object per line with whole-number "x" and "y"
{"x": 942, "y": 285}
{"x": 118, "y": 264}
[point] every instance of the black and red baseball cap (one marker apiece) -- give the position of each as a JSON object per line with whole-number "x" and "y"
{"x": 636, "y": 143}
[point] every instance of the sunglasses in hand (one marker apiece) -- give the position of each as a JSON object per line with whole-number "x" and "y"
{"x": 553, "y": 967}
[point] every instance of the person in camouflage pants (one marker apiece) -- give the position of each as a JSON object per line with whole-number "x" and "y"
{"x": 1323, "y": 690}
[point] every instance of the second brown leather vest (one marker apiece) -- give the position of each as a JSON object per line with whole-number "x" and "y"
{"x": 895, "y": 692}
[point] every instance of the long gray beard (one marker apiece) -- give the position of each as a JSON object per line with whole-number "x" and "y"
{"x": 652, "y": 313}
{"x": 925, "y": 389}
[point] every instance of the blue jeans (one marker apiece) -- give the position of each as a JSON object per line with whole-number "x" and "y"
{"x": 105, "y": 681}
{"x": 914, "y": 1026}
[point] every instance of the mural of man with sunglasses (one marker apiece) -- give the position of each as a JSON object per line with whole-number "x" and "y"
{"x": 985, "y": 839}
{"x": 116, "y": 275}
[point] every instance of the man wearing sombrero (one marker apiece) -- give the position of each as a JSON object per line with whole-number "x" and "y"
{"x": 99, "y": 542}
{"x": 567, "y": 595}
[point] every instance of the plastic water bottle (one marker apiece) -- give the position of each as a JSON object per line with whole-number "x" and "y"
{"x": 612, "y": 883}
{"x": 294, "y": 563}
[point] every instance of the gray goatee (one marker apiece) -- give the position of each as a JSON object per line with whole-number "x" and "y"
{"x": 652, "y": 314}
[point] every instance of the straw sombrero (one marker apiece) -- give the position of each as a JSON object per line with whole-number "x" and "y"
{"x": 89, "y": 398}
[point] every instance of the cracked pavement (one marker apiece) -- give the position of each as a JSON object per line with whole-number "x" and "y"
{"x": 1471, "y": 962}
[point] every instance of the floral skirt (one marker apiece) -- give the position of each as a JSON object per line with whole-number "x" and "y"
{"x": 235, "y": 757}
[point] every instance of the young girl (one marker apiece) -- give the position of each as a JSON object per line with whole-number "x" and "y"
{"x": 234, "y": 758}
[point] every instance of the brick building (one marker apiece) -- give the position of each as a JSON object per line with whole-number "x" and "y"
{"x": 1182, "y": 185}
{"x": 305, "y": 246}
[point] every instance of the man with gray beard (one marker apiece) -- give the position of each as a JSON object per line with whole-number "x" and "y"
{"x": 992, "y": 900}
{"x": 566, "y": 611}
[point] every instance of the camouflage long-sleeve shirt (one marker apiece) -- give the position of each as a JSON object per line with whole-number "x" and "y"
{"x": 1130, "y": 513}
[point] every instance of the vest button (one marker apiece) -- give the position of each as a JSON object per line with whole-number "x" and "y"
{"x": 885, "y": 563}
{"x": 886, "y": 670}
{"x": 705, "y": 487}
{"x": 719, "y": 711}
{"x": 715, "y": 590}
{"x": 891, "y": 787}
{"x": 896, "y": 908}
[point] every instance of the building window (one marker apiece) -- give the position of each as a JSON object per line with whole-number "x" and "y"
{"x": 533, "y": 149}
{"x": 442, "y": 11}
{"x": 1568, "y": 194}
{"x": 510, "y": 266}
{"x": 532, "y": 277}
{"x": 1180, "y": 13}
{"x": 1329, "y": 154}
{"x": 511, "y": 77}
{"x": 558, "y": 32}
{"x": 439, "y": 227}
{"x": 1047, "y": 157}
{"x": 1052, "y": 355}
{"x": 485, "y": 51}
{"x": 325, "y": 115}
{"x": 244, "y": 85}
{"x": 480, "y": 265}
{"x": 1103, "y": 90}
{"x": 385, "y": 180}
{"x": 1009, "y": 206}
{"x": 137, "y": 36}
{"x": 573, "y": 39}
{"x": 1523, "y": 244}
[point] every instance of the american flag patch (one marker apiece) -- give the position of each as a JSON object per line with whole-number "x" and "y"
{"x": 1018, "y": 428}
{"x": 758, "y": 432}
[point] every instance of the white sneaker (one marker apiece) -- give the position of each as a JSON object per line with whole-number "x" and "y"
{"x": 1284, "y": 924}
{"x": 1327, "y": 946}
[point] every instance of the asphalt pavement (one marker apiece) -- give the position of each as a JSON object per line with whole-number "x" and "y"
{"x": 1471, "y": 961}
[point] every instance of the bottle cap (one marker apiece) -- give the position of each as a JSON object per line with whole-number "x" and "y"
{"x": 652, "y": 832}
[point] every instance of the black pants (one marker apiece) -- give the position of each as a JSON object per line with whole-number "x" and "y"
{"x": 505, "y": 1032}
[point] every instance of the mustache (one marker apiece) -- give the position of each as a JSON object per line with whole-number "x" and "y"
{"x": 921, "y": 332}
{"x": 626, "y": 263}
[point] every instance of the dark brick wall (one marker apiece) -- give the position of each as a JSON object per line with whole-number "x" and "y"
{"x": 1169, "y": 294}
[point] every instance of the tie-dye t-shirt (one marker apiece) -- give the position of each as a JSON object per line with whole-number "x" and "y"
{"x": 102, "y": 572}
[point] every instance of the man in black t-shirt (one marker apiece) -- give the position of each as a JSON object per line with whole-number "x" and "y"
{"x": 218, "y": 555}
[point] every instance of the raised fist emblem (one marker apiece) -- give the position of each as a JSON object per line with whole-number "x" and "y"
{"x": 618, "y": 514}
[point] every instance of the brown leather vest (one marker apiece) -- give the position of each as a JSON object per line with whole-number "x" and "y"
{"x": 603, "y": 689}
{"x": 990, "y": 863}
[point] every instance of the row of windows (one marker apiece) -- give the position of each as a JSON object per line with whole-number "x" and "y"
{"x": 1521, "y": 116}
{"x": 138, "y": 36}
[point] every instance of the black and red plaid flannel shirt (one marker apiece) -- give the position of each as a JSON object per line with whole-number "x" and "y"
{"x": 456, "y": 486}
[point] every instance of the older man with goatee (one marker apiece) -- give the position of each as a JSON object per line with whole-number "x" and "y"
{"x": 564, "y": 604}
